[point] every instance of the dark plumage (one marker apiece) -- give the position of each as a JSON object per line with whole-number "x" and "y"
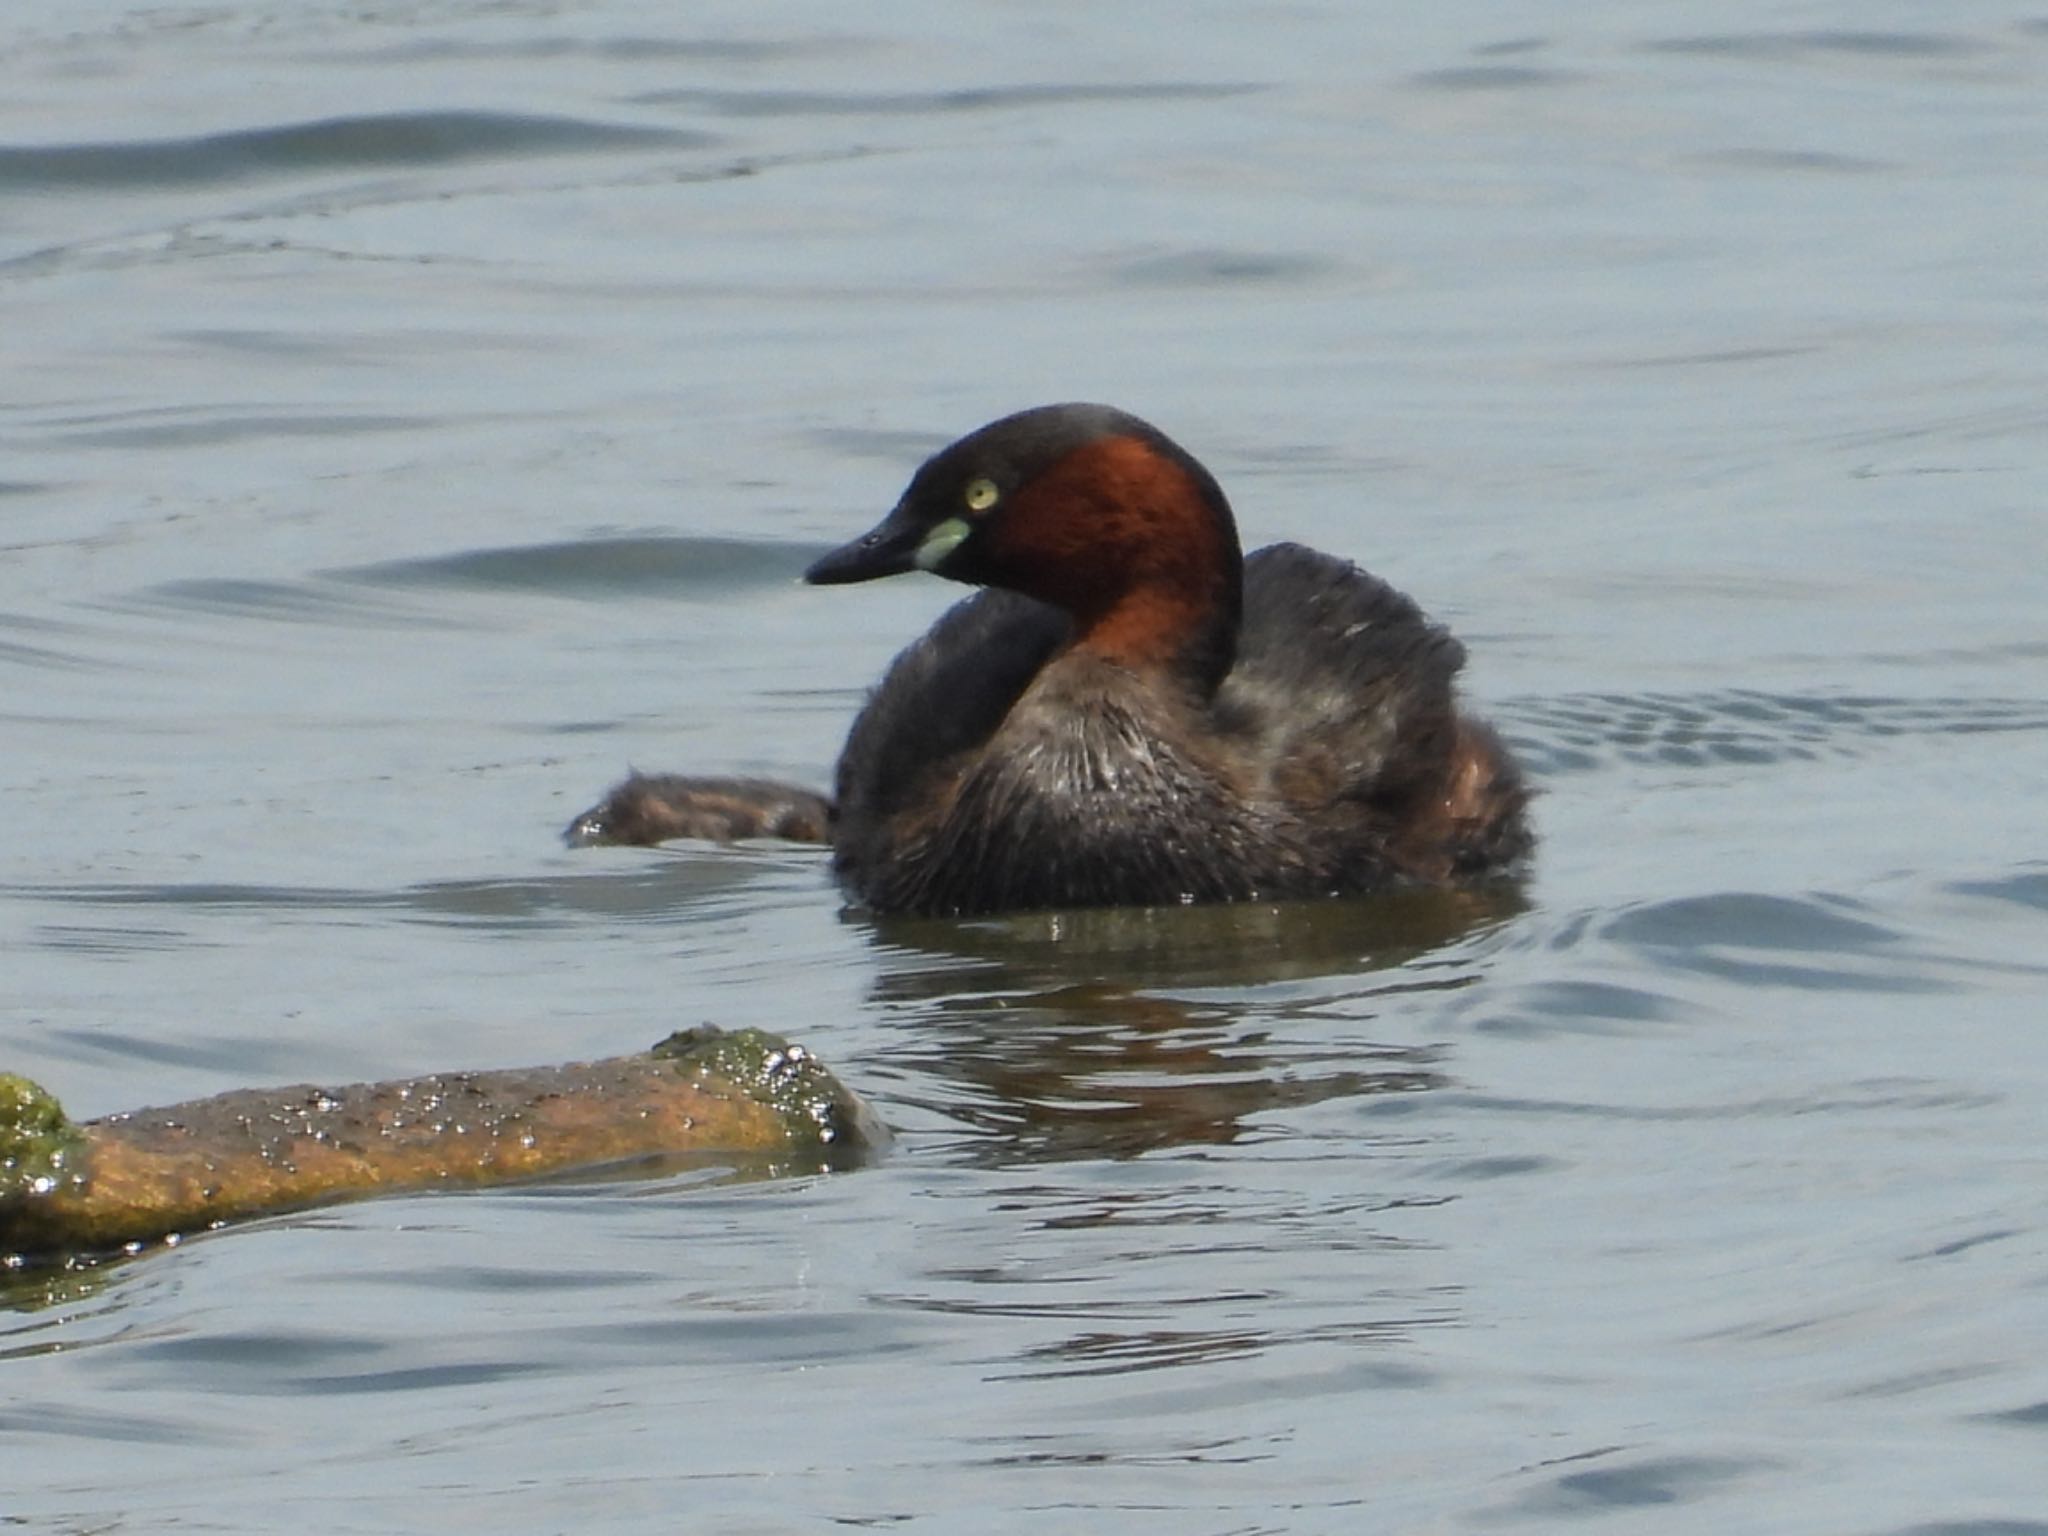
{"x": 1139, "y": 715}
{"x": 654, "y": 807}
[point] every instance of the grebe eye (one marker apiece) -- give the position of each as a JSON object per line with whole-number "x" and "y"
{"x": 980, "y": 495}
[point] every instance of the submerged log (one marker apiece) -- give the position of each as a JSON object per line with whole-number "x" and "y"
{"x": 152, "y": 1173}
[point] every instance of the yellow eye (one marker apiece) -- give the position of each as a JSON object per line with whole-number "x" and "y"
{"x": 980, "y": 495}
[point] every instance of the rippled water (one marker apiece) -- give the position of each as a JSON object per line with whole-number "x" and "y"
{"x": 419, "y": 412}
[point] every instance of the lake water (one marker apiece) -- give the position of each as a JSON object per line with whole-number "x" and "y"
{"x": 416, "y": 413}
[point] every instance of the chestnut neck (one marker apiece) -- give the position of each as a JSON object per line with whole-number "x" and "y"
{"x": 1135, "y": 540}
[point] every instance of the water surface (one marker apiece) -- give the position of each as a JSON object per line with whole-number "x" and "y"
{"x": 419, "y": 414}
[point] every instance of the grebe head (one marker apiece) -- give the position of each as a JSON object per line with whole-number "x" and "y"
{"x": 1084, "y": 507}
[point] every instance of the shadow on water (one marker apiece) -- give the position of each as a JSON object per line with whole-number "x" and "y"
{"x": 1049, "y": 1038}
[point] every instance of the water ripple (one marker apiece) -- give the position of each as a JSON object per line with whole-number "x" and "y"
{"x": 651, "y": 565}
{"x": 98, "y": 1426}
{"x": 810, "y": 104}
{"x": 1105, "y": 1352}
{"x": 651, "y": 892}
{"x": 636, "y": 49}
{"x": 1208, "y": 267}
{"x": 354, "y": 143}
{"x": 1884, "y": 1097}
{"x": 1493, "y": 77}
{"x": 206, "y": 429}
{"x": 2033, "y": 1416}
{"x": 1752, "y": 939}
{"x": 1581, "y": 731}
{"x": 282, "y": 602}
{"x": 2027, "y": 889}
{"x": 1820, "y": 43}
{"x": 22, "y": 654}
{"x": 1648, "y": 1483}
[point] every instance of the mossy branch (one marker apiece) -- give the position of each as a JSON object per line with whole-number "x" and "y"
{"x": 131, "y": 1178}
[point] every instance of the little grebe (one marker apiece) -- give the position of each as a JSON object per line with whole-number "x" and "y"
{"x": 1136, "y": 714}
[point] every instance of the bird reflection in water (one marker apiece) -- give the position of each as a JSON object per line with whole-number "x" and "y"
{"x": 1119, "y": 1031}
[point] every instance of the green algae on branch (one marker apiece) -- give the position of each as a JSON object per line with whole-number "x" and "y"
{"x": 39, "y": 1146}
{"x": 744, "y": 1097}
